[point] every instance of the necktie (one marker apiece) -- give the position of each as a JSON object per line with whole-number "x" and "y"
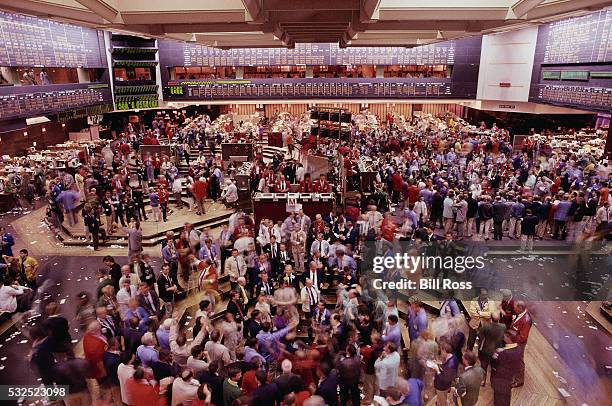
{"x": 273, "y": 250}
{"x": 150, "y": 300}
{"x": 312, "y": 298}
{"x": 240, "y": 310}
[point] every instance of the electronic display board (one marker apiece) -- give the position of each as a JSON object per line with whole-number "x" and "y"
{"x": 588, "y": 97}
{"x": 308, "y": 88}
{"x": 551, "y": 74}
{"x": 36, "y": 42}
{"x": 176, "y": 53}
{"x": 585, "y": 39}
{"x": 575, "y": 75}
{"x": 50, "y": 99}
{"x": 573, "y": 62}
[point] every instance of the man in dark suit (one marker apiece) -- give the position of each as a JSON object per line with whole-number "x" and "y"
{"x": 290, "y": 277}
{"x": 264, "y": 285}
{"x": 322, "y": 317}
{"x": 252, "y": 326}
{"x": 505, "y": 367}
{"x": 163, "y": 367}
{"x": 283, "y": 381}
{"x": 273, "y": 249}
{"x": 315, "y": 274}
{"x": 284, "y": 259}
{"x": 214, "y": 382}
{"x": 262, "y": 265}
{"x": 467, "y": 387}
{"x": 266, "y": 393}
{"x": 146, "y": 272}
{"x": 499, "y": 210}
{"x": 112, "y": 358}
{"x": 235, "y": 306}
{"x": 148, "y": 300}
{"x": 167, "y": 285}
{"x": 351, "y": 234}
{"x": 349, "y": 372}
{"x": 58, "y": 329}
{"x": 491, "y": 338}
{"x": 132, "y": 335}
{"x": 114, "y": 270}
{"x": 328, "y": 384}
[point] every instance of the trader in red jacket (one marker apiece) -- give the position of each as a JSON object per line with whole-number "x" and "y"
{"x": 397, "y": 184}
{"x": 521, "y": 324}
{"x": 199, "y": 194}
{"x": 322, "y": 185}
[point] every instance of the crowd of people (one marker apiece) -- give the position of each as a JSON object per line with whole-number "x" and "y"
{"x": 299, "y": 324}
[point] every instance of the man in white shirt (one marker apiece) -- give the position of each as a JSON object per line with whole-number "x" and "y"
{"x": 603, "y": 216}
{"x": 184, "y": 389}
{"x": 197, "y": 361}
{"x": 235, "y": 266}
{"x": 321, "y": 246}
{"x": 124, "y": 295}
{"x": 125, "y": 371}
{"x": 230, "y": 194}
{"x": 14, "y": 297}
{"x": 448, "y": 212}
{"x": 309, "y": 297}
{"x": 177, "y": 190}
{"x": 131, "y": 277}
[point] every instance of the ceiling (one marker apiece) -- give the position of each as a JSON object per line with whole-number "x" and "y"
{"x": 276, "y": 23}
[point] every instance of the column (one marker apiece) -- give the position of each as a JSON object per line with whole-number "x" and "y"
{"x": 10, "y": 75}
{"x": 380, "y": 71}
{"x": 309, "y": 71}
{"x": 82, "y": 75}
{"x": 239, "y": 72}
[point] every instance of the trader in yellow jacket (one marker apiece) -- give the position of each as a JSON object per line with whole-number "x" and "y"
{"x": 480, "y": 313}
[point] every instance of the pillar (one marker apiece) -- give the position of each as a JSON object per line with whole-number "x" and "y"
{"x": 309, "y": 71}
{"x": 239, "y": 72}
{"x": 10, "y": 75}
{"x": 380, "y": 71}
{"x": 82, "y": 75}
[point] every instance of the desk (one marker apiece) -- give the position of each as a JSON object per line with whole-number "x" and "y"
{"x": 275, "y": 139}
{"x": 274, "y": 205}
{"x": 7, "y": 202}
{"x": 231, "y": 151}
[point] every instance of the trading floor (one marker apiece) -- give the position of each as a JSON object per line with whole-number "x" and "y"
{"x": 260, "y": 203}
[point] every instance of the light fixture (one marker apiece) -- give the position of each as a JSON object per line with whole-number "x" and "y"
{"x": 63, "y": 125}
{"x": 44, "y": 130}
{"x": 34, "y": 144}
{"x": 25, "y": 133}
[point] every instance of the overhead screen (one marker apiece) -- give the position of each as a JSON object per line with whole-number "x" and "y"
{"x": 35, "y": 42}
{"x": 307, "y": 88}
{"x": 175, "y": 53}
{"x": 21, "y": 102}
{"x": 573, "y": 62}
{"x": 462, "y": 55}
{"x": 586, "y": 39}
